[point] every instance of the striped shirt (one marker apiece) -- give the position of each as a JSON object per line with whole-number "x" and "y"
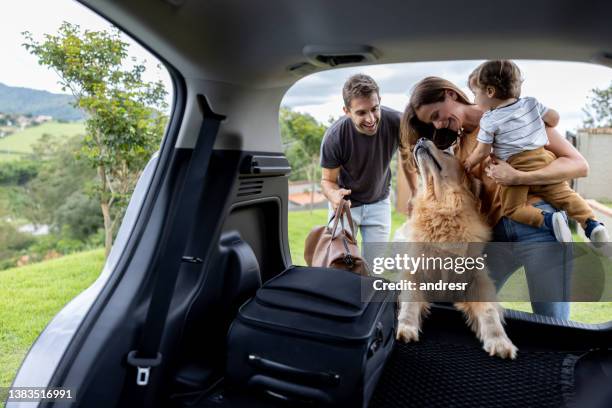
{"x": 514, "y": 128}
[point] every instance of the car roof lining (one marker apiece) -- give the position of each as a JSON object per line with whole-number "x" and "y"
{"x": 253, "y": 43}
{"x": 238, "y": 53}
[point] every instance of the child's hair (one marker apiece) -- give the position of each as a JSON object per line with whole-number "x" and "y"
{"x": 503, "y": 75}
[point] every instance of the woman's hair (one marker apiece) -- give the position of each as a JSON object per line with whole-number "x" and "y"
{"x": 426, "y": 91}
{"x": 503, "y": 75}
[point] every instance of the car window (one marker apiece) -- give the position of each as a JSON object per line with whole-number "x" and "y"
{"x": 314, "y": 105}
{"x": 83, "y": 109}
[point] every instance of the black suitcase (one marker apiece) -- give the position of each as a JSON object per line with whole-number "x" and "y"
{"x": 313, "y": 335}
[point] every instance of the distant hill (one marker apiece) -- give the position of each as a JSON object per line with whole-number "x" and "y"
{"x": 26, "y": 100}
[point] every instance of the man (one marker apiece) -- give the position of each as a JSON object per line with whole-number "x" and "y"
{"x": 355, "y": 155}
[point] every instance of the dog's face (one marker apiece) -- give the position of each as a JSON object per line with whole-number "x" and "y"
{"x": 441, "y": 173}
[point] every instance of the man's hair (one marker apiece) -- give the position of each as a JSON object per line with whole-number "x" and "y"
{"x": 503, "y": 75}
{"x": 358, "y": 86}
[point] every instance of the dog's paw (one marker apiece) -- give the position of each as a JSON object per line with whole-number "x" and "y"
{"x": 407, "y": 333}
{"x": 500, "y": 346}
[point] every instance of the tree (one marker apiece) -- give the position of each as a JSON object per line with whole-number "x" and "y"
{"x": 125, "y": 113}
{"x": 599, "y": 108}
{"x": 302, "y": 135}
{"x": 78, "y": 217}
{"x": 42, "y": 200}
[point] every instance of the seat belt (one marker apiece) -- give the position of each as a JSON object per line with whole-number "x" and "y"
{"x": 174, "y": 241}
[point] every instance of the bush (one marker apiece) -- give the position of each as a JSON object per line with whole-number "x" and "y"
{"x": 62, "y": 243}
{"x": 12, "y": 239}
{"x": 55, "y": 242}
{"x": 13, "y": 244}
{"x": 67, "y": 246}
{"x": 79, "y": 216}
{"x": 18, "y": 172}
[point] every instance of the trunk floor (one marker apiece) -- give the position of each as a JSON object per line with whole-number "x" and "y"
{"x": 432, "y": 373}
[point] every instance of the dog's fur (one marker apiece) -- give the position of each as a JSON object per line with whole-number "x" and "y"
{"x": 447, "y": 210}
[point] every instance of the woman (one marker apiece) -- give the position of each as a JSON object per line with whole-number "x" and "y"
{"x": 437, "y": 103}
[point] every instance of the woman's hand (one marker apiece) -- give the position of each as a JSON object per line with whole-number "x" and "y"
{"x": 502, "y": 173}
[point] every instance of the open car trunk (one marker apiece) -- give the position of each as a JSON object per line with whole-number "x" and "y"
{"x": 559, "y": 364}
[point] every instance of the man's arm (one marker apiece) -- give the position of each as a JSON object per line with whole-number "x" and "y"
{"x": 569, "y": 164}
{"x": 330, "y": 188}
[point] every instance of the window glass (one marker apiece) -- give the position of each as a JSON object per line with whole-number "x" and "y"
{"x": 82, "y": 109}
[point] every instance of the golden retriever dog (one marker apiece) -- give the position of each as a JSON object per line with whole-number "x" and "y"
{"x": 446, "y": 210}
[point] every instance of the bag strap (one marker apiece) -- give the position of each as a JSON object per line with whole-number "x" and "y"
{"x": 180, "y": 219}
{"x": 348, "y": 257}
{"x": 337, "y": 217}
{"x": 343, "y": 209}
{"x": 347, "y": 212}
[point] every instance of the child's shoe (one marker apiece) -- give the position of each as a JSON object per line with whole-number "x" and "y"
{"x": 596, "y": 231}
{"x": 556, "y": 222}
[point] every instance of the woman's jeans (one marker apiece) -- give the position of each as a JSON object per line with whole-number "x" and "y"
{"x": 547, "y": 267}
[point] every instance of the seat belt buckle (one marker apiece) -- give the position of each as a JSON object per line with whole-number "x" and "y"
{"x": 143, "y": 366}
{"x": 142, "y": 376}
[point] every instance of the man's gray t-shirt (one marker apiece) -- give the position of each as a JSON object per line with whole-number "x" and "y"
{"x": 363, "y": 159}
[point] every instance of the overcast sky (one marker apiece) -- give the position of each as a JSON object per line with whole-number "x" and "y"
{"x": 20, "y": 68}
{"x": 563, "y": 86}
{"x": 560, "y": 85}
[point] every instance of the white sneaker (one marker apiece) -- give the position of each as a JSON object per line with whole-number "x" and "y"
{"x": 600, "y": 234}
{"x": 560, "y": 228}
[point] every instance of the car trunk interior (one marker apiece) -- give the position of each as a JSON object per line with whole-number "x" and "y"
{"x": 559, "y": 362}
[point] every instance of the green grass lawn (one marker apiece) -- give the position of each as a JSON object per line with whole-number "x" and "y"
{"x": 4, "y": 157}
{"x": 586, "y": 312}
{"x": 31, "y": 295}
{"x": 22, "y": 141}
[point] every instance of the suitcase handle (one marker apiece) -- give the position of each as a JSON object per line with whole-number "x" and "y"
{"x": 282, "y": 369}
{"x": 289, "y": 392}
{"x": 378, "y": 340}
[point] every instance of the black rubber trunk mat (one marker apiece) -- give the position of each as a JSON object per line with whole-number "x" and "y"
{"x": 436, "y": 374}
{"x": 449, "y": 368}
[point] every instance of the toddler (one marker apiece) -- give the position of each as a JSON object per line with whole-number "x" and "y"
{"x": 514, "y": 129}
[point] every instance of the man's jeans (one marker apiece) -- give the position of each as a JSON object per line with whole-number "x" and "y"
{"x": 546, "y": 268}
{"x": 374, "y": 222}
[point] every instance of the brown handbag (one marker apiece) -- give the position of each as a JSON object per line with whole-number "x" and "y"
{"x": 335, "y": 247}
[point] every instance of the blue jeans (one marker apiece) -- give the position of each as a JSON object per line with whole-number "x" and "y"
{"x": 546, "y": 268}
{"x": 373, "y": 220}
